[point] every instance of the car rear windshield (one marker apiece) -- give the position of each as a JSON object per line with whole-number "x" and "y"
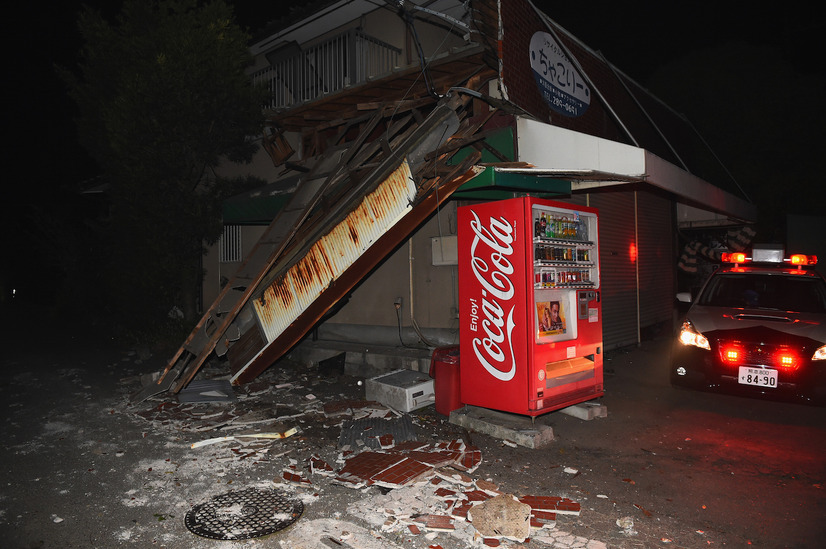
{"x": 803, "y": 294}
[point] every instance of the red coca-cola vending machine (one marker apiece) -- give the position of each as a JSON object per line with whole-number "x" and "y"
{"x": 529, "y": 305}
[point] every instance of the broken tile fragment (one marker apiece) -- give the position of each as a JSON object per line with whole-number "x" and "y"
{"x": 291, "y": 475}
{"x": 318, "y": 466}
{"x": 554, "y": 504}
{"x": 402, "y": 464}
{"x": 402, "y": 473}
{"x": 488, "y": 487}
{"x": 543, "y": 518}
{"x": 411, "y": 445}
{"x": 436, "y": 522}
{"x": 445, "y": 493}
{"x": 365, "y": 465}
{"x": 454, "y": 477}
{"x": 432, "y": 458}
{"x": 476, "y": 496}
{"x": 470, "y": 460}
{"x": 386, "y": 441}
{"x": 567, "y": 507}
{"x": 460, "y": 510}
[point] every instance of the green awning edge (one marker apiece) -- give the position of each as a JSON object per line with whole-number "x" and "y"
{"x": 253, "y": 211}
{"x": 494, "y": 184}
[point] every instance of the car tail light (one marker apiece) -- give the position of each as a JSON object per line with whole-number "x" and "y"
{"x": 731, "y": 354}
{"x": 787, "y": 360}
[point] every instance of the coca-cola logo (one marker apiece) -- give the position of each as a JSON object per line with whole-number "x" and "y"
{"x": 491, "y": 265}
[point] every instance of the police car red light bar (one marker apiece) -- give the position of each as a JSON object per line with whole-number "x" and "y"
{"x": 736, "y": 257}
{"x": 795, "y": 259}
{"x": 800, "y": 259}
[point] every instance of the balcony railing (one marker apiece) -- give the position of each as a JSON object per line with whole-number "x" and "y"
{"x": 296, "y": 75}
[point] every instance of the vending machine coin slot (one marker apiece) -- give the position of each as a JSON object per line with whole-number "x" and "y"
{"x": 582, "y": 310}
{"x": 583, "y": 301}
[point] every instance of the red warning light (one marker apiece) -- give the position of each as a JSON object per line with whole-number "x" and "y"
{"x": 735, "y": 257}
{"x": 801, "y": 259}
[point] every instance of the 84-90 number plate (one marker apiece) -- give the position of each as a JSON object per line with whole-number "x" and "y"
{"x": 761, "y": 377}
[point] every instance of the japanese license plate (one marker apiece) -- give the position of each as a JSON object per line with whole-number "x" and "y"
{"x": 761, "y": 377}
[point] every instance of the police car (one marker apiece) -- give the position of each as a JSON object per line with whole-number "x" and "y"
{"x": 758, "y": 326}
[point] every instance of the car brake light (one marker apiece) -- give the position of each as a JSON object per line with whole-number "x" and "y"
{"x": 731, "y": 355}
{"x": 787, "y": 360}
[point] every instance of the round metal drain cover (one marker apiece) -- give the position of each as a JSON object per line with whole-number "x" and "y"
{"x": 244, "y": 514}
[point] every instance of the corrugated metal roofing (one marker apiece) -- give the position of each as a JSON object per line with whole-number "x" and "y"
{"x": 291, "y": 293}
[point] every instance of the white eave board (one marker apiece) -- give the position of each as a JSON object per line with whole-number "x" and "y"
{"x": 566, "y": 151}
{"x": 552, "y": 147}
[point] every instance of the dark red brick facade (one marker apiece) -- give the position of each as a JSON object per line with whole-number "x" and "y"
{"x": 520, "y": 22}
{"x": 620, "y": 109}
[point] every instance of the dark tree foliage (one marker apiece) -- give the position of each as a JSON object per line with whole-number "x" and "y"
{"x": 163, "y": 97}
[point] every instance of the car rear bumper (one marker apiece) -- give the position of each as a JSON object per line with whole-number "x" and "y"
{"x": 696, "y": 368}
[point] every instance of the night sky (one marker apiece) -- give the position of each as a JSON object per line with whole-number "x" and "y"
{"x": 47, "y": 163}
{"x": 638, "y": 40}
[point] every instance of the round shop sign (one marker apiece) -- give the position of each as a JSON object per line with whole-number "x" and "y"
{"x": 561, "y": 85}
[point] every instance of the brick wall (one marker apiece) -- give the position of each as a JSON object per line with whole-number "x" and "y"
{"x": 520, "y": 22}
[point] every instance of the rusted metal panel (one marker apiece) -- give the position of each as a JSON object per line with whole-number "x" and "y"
{"x": 439, "y": 191}
{"x": 291, "y": 293}
{"x": 371, "y": 202}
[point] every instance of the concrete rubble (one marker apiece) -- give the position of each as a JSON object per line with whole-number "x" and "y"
{"x": 411, "y": 488}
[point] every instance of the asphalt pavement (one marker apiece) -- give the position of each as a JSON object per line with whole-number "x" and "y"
{"x": 82, "y": 467}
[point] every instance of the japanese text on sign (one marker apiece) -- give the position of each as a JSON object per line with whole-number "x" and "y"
{"x": 559, "y": 83}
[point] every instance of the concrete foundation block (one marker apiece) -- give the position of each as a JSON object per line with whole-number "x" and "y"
{"x": 521, "y": 430}
{"x": 586, "y": 410}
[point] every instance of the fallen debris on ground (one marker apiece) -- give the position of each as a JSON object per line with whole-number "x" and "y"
{"x": 407, "y": 488}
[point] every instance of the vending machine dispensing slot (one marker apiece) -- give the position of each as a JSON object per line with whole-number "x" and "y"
{"x": 530, "y": 311}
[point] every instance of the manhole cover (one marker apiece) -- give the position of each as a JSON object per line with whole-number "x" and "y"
{"x": 244, "y": 514}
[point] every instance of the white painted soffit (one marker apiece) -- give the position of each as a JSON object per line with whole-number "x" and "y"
{"x": 592, "y": 162}
{"x": 323, "y": 21}
{"x": 342, "y": 12}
